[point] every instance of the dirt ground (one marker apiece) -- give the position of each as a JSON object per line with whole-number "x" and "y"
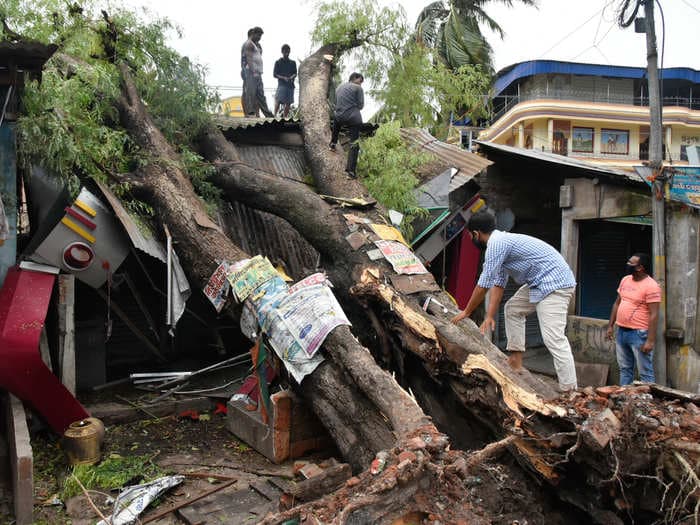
{"x": 202, "y": 450}
{"x": 211, "y": 458}
{"x": 206, "y": 449}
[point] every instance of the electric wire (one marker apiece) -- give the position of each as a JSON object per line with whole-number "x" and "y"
{"x": 626, "y": 22}
{"x": 661, "y": 70}
{"x": 690, "y": 5}
{"x": 596, "y": 41}
{"x": 599, "y": 11}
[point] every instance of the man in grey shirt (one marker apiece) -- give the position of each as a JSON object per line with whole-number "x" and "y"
{"x": 251, "y": 61}
{"x": 349, "y": 100}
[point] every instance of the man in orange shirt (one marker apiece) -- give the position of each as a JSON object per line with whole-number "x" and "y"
{"x": 636, "y": 312}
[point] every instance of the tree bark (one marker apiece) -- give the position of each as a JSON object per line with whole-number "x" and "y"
{"x": 573, "y": 442}
{"x": 327, "y": 169}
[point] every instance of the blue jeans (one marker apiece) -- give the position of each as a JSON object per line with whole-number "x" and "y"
{"x": 629, "y": 350}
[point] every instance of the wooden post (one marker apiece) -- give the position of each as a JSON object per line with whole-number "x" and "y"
{"x": 66, "y": 330}
{"x": 658, "y": 202}
{"x": 21, "y": 460}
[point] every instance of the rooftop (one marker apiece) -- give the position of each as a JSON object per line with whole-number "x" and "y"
{"x": 508, "y": 75}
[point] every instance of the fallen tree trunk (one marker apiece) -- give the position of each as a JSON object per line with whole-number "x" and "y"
{"x": 560, "y": 443}
{"x": 347, "y": 389}
{"x": 554, "y": 441}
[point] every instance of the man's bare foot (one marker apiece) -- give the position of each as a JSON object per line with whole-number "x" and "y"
{"x": 515, "y": 360}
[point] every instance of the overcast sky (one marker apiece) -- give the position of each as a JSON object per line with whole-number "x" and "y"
{"x": 571, "y": 30}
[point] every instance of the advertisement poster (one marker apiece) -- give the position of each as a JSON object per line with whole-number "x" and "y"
{"x": 388, "y": 233}
{"x": 685, "y": 185}
{"x": 257, "y": 271}
{"x": 266, "y": 298}
{"x": 294, "y": 358}
{"x": 217, "y": 287}
{"x": 309, "y": 314}
{"x": 401, "y": 258}
{"x": 316, "y": 278}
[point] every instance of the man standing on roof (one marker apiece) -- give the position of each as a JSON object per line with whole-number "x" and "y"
{"x": 285, "y": 72}
{"x": 635, "y": 313}
{"x": 243, "y": 64}
{"x": 547, "y": 287}
{"x": 349, "y": 100}
{"x": 251, "y": 61}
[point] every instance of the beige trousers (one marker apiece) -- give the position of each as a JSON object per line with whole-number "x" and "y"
{"x": 551, "y": 313}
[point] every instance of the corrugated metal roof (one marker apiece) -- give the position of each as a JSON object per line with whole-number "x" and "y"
{"x": 436, "y": 192}
{"x": 226, "y": 123}
{"x": 258, "y": 232}
{"x": 561, "y": 160}
{"x": 281, "y": 161}
{"x": 468, "y": 164}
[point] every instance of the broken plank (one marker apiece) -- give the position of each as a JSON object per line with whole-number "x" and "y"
{"x": 21, "y": 460}
{"x": 317, "y": 486}
{"x": 66, "y": 330}
{"x": 207, "y": 475}
{"x": 113, "y": 413}
{"x": 672, "y": 393}
{"x": 271, "y": 492}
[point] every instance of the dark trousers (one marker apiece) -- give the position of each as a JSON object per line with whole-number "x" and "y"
{"x": 353, "y": 128}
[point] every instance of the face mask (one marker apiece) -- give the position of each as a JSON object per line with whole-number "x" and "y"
{"x": 630, "y": 270}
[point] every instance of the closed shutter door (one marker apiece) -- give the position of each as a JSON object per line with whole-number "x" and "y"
{"x": 603, "y": 253}
{"x": 604, "y": 248}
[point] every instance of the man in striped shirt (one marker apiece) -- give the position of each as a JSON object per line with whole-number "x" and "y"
{"x": 547, "y": 287}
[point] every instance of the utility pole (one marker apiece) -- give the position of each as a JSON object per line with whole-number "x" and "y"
{"x": 658, "y": 189}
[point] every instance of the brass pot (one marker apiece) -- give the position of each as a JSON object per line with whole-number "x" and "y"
{"x": 82, "y": 441}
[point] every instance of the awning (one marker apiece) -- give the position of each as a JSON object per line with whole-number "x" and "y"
{"x": 561, "y": 160}
{"x": 469, "y": 164}
{"x": 146, "y": 242}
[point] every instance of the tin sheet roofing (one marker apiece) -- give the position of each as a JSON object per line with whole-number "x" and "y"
{"x": 468, "y": 164}
{"x": 561, "y": 160}
{"x": 226, "y": 123}
{"x": 286, "y": 162}
{"x": 260, "y": 232}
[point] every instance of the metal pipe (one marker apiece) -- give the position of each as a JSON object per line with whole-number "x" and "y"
{"x": 141, "y": 375}
{"x": 169, "y": 280}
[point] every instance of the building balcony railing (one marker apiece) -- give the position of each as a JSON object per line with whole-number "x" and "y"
{"x": 561, "y": 147}
{"x": 504, "y": 103}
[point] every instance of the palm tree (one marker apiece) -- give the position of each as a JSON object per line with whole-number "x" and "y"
{"x": 452, "y": 28}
